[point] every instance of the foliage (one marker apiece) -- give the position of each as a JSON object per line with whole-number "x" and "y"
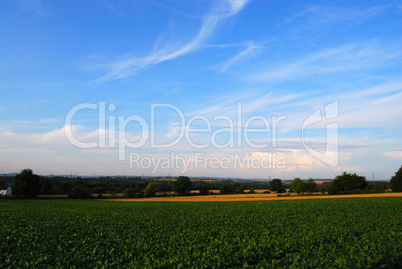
{"x": 64, "y": 184}
{"x": 324, "y": 188}
{"x": 347, "y": 183}
{"x": 182, "y": 185}
{"x": 240, "y": 189}
{"x": 319, "y": 233}
{"x": 396, "y": 181}
{"x": 204, "y": 190}
{"x": 26, "y": 184}
{"x": 46, "y": 186}
{"x": 297, "y": 185}
{"x": 310, "y": 186}
{"x": 226, "y": 189}
{"x": 150, "y": 190}
{"x": 80, "y": 192}
{"x": 276, "y": 185}
{"x": 129, "y": 193}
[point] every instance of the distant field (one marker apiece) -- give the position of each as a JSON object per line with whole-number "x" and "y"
{"x": 340, "y": 233}
{"x": 258, "y": 196}
{"x": 251, "y": 197}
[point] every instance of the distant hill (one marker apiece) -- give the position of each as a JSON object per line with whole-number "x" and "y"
{"x": 9, "y": 174}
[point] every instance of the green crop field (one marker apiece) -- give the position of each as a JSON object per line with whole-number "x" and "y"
{"x": 332, "y": 233}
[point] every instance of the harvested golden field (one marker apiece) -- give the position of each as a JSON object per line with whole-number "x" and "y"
{"x": 52, "y": 196}
{"x": 250, "y": 197}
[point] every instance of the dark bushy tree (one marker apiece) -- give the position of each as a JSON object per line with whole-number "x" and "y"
{"x": 46, "y": 186}
{"x": 129, "y": 193}
{"x": 297, "y": 185}
{"x": 310, "y": 186}
{"x": 80, "y": 192}
{"x": 324, "y": 188}
{"x": 276, "y": 185}
{"x": 346, "y": 183}
{"x": 240, "y": 189}
{"x": 26, "y": 184}
{"x": 396, "y": 181}
{"x": 226, "y": 189}
{"x": 182, "y": 185}
{"x": 204, "y": 190}
{"x": 150, "y": 190}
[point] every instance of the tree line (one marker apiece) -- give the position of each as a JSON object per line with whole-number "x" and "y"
{"x": 29, "y": 185}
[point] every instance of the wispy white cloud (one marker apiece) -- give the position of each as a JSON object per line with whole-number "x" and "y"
{"x": 394, "y": 154}
{"x": 364, "y": 56}
{"x": 134, "y": 65}
{"x": 324, "y": 15}
{"x": 250, "y": 50}
{"x": 35, "y": 7}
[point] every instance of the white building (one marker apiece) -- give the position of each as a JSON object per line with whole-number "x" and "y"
{"x": 5, "y": 190}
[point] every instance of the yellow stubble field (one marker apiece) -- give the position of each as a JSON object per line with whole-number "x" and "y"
{"x": 249, "y": 197}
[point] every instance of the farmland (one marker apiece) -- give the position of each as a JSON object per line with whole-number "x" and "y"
{"x": 253, "y": 197}
{"x": 343, "y": 233}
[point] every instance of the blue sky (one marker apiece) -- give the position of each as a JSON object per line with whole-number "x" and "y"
{"x": 209, "y": 60}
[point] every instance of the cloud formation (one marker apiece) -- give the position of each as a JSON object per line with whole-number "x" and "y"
{"x": 134, "y": 65}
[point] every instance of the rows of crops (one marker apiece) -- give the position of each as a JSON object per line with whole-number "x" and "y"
{"x": 343, "y": 233}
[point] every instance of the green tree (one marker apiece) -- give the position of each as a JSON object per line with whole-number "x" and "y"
{"x": 240, "y": 189}
{"x": 276, "y": 185}
{"x": 347, "y": 183}
{"x": 80, "y": 191}
{"x": 46, "y": 186}
{"x": 226, "y": 189}
{"x": 204, "y": 190}
{"x": 310, "y": 186}
{"x": 182, "y": 185}
{"x": 129, "y": 193}
{"x": 297, "y": 185}
{"x": 26, "y": 184}
{"x": 324, "y": 188}
{"x": 150, "y": 190}
{"x": 396, "y": 181}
